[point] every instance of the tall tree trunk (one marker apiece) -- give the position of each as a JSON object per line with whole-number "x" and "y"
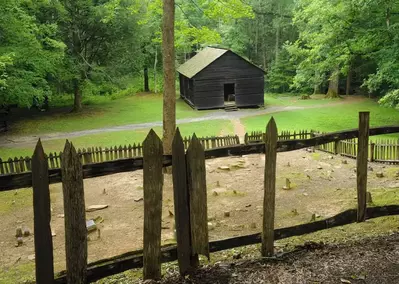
{"x": 316, "y": 87}
{"x": 278, "y": 33}
{"x": 146, "y": 87}
{"x": 169, "y": 89}
{"x": 77, "y": 104}
{"x": 349, "y": 81}
{"x": 155, "y": 70}
{"x": 333, "y": 86}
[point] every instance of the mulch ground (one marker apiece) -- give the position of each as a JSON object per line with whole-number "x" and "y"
{"x": 374, "y": 260}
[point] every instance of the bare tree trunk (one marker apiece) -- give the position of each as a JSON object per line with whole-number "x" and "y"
{"x": 349, "y": 81}
{"x": 278, "y": 33}
{"x": 155, "y": 70}
{"x": 77, "y": 104}
{"x": 169, "y": 89}
{"x": 333, "y": 91}
{"x": 316, "y": 87}
{"x": 146, "y": 87}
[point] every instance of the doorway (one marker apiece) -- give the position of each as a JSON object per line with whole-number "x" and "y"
{"x": 229, "y": 92}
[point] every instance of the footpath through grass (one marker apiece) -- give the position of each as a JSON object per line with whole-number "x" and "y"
{"x": 134, "y": 109}
{"x": 125, "y": 137}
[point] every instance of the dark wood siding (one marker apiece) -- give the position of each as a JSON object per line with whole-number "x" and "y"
{"x": 207, "y": 89}
{"x": 187, "y": 89}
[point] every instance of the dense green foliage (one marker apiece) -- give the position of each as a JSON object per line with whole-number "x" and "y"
{"x": 49, "y": 48}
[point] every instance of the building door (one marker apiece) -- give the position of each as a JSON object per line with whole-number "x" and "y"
{"x": 229, "y": 92}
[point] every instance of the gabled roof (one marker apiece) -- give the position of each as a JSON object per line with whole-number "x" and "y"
{"x": 204, "y": 58}
{"x": 201, "y": 60}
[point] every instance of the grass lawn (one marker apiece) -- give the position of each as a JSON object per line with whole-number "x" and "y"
{"x": 126, "y": 137}
{"x": 326, "y": 118}
{"x": 289, "y": 99}
{"x": 134, "y": 109}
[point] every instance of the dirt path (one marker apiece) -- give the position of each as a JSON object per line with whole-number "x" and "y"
{"x": 239, "y": 128}
{"x": 25, "y": 141}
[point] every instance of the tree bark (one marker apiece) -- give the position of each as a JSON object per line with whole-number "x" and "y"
{"x": 146, "y": 87}
{"x": 77, "y": 105}
{"x": 155, "y": 70}
{"x": 169, "y": 90}
{"x": 333, "y": 91}
{"x": 278, "y": 34}
{"x": 349, "y": 81}
{"x": 316, "y": 87}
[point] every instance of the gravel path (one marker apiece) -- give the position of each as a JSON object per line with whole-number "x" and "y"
{"x": 18, "y": 141}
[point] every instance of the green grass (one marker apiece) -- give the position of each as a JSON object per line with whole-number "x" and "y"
{"x": 202, "y": 128}
{"x": 290, "y": 99}
{"x": 326, "y": 118}
{"x": 103, "y": 113}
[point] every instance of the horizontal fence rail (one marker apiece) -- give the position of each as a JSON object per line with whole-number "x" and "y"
{"x": 131, "y": 260}
{"x": 190, "y": 200}
{"x": 98, "y": 154}
{"x": 23, "y": 180}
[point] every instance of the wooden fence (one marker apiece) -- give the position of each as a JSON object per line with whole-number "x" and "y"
{"x": 98, "y": 154}
{"x": 380, "y": 150}
{"x": 258, "y": 136}
{"x": 190, "y": 202}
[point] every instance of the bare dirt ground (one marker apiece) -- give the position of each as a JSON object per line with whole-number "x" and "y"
{"x": 373, "y": 261}
{"x": 321, "y": 185}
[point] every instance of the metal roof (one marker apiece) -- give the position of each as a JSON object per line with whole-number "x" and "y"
{"x": 201, "y": 60}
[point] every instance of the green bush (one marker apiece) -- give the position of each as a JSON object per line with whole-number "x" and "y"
{"x": 391, "y": 99}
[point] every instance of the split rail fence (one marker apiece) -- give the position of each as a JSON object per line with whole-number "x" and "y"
{"x": 190, "y": 202}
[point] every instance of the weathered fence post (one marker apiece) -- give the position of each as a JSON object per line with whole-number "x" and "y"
{"x": 363, "y": 141}
{"x": 42, "y": 217}
{"x": 75, "y": 216}
{"x": 152, "y": 184}
{"x": 1, "y": 167}
{"x": 270, "y": 189}
{"x": 372, "y": 147}
{"x": 196, "y": 176}
{"x": 181, "y": 203}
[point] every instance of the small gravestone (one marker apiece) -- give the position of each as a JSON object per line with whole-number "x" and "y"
{"x": 18, "y": 232}
{"x": 91, "y": 225}
{"x": 227, "y": 214}
{"x": 26, "y": 232}
{"x": 20, "y": 242}
{"x": 369, "y": 200}
{"x": 380, "y": 174}
{"x": 218, "y": 184}
{"x": 224, "y": 168}
{"x": 92, "y": 208}
{"x": 287, "y": 185}
{"x": 211, "y": 226}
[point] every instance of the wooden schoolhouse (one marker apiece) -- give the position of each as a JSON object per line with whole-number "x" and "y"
{"x": 220, "y": 78}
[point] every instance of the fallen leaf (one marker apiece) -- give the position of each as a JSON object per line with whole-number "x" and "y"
{"x": 345, "y": 281}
